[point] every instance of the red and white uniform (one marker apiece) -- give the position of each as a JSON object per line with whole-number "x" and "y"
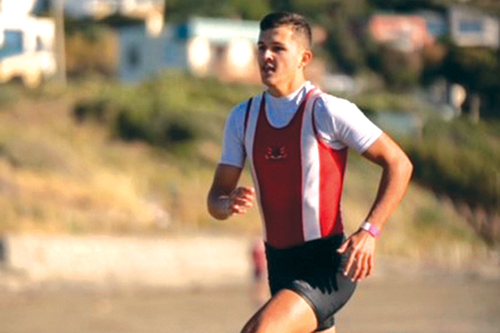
{"x": 297, "y": 148}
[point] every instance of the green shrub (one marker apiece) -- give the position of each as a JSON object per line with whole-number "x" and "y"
{"x": 461, "y": 160}
{"x": 170, "y": 110}
{"x": 159, "y": 130}
{"x": 94, "y": 110}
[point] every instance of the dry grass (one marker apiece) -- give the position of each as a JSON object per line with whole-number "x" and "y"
{"x": 424, "y": 227}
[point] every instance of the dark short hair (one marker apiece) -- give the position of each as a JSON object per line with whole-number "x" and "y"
{"x": 296, "y": 21}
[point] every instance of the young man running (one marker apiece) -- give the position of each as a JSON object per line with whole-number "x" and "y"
{"x": 296, "y": 140}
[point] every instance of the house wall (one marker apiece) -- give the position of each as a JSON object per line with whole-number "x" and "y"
{"x": 26, "y": 50}
{"x": 469, "y": 28}
{"x": 234, "y": 61}
{"x": 17, "y": 7}
{"x": 231, "y": 46}
{"x": 405, "y": 32}
{"x": 141, "y": 56}
{"x": 100, "y": 8}
{"x": 38, "y": 33}
{"x": 190, "y": 47}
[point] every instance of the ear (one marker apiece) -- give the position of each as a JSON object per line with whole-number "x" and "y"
{"x": 306, "y": 58}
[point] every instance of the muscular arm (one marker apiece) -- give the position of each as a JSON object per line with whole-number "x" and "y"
{"x": 224, "y": 198}
{"x": 396, "y": 174}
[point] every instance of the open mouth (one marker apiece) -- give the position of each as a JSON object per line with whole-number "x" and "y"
{"x": 268, "y": 68}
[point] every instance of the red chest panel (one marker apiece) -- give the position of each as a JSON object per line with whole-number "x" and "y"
{"x": 299, "y": 179}
{"x": 277, "y": 161}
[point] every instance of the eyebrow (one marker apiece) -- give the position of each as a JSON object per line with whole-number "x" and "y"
{"x": 272, "y": 43}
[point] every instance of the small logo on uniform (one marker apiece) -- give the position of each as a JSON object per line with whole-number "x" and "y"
{"x": 276, "y": 153}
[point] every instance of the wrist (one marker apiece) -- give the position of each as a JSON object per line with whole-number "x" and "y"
{"x": 226, "y": 207}
{"x": 371, "y": 229}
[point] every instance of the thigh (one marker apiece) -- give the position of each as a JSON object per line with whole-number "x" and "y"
{"x": 285, "y": 312}
{"x": 329, "y": 330}
{"x": 315, "y": 272}
{"x": 326, "y": 293}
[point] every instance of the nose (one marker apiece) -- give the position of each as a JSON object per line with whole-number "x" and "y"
{"x": 265, "y": 54}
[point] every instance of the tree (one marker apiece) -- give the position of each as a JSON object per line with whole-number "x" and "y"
{"x": 345, "y": 43}
{"x": 179, "y": 10}
{"x": 478, "y": 70}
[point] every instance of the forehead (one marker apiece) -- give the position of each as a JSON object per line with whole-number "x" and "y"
{"x": 283, "y": 34}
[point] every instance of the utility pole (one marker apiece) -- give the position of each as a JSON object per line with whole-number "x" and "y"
{"x": 60, "y": 49}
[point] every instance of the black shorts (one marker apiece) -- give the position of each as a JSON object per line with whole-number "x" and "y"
{"x": 314, "y": 271}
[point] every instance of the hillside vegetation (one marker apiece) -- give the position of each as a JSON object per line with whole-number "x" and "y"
{"x": 104, "y": 158}
{"x": 461, "y": 160}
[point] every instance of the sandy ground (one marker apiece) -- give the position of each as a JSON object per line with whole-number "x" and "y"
{"x": 399, "y": 304}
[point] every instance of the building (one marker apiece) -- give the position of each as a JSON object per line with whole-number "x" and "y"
{"x": 141, "y": 55}
{"x": 406, "y": 33}
{"x": 469, "y": 28}
{"x": 222, "y": 47}
{"x": 103, "y": 8}
{"x": 87, "y": 8}
{"x": 201, "y": 46}
{"x": 19, "y": 7}
{"x": 26, "y": 44}
{"x": 437, "y": 24}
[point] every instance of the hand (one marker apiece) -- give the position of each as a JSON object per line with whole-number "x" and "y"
{"x": 240, "y": 200}
{"x": 362, "y": 255}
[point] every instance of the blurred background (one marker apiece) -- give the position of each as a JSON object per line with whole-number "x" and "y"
{"x": 111, "y": 119}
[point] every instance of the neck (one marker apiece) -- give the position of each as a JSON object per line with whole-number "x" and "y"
{"x": 286, "y": 89}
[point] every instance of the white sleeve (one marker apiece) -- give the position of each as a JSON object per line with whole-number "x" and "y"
{"x": 341, "y": 123}
{"x": 233, "y": 147}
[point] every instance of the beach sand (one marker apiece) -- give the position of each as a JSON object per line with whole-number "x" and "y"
{"x": 398, "y": 304}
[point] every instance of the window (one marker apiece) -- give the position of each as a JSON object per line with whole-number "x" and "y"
{"x": 12, "y": 43}
{"x": 436, "y": 28}
{"x": 39, "y": 44}
{"x": 133, "y": 56}
{"x": 469, "y": 25}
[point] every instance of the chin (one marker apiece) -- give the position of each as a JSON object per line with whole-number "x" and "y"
{"x": 269, "y": 82}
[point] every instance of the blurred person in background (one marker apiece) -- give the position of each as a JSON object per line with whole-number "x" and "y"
{"x": 260, "y": 291}
{"x": 296, "y": 139}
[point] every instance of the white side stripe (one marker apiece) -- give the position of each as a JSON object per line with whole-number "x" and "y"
{"x": 310, "y": 175}
{"x": 249, "y": 140}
